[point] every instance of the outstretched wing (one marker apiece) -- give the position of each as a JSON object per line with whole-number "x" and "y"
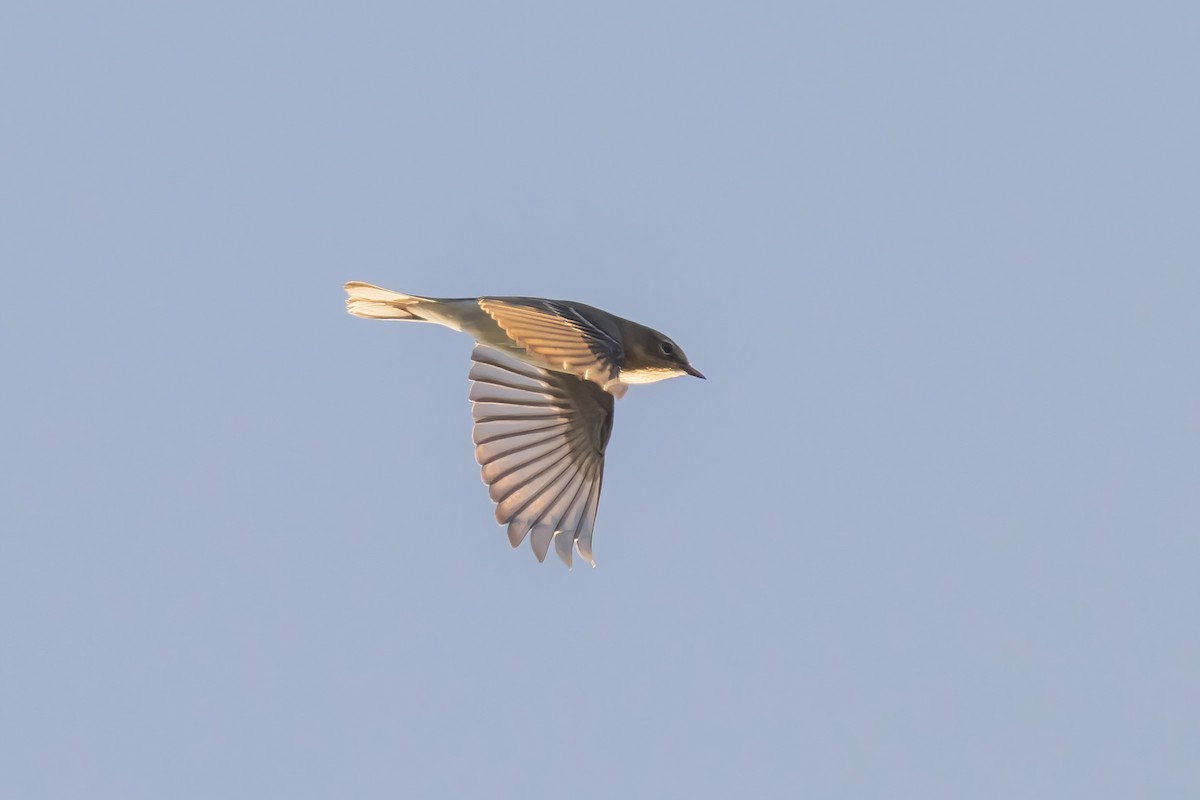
{"x": 560, "y": 334}
{"x": 539, "y": 440}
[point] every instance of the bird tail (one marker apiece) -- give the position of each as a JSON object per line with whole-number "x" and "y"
{"x": 372, "y": 302}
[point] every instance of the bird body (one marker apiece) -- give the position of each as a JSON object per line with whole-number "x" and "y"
{"x": 544, "y": 377}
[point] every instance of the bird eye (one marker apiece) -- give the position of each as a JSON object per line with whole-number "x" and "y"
{"x": 667, "y": 348}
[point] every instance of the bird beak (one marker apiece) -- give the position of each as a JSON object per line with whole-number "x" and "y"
{"x": 690, "y": 370}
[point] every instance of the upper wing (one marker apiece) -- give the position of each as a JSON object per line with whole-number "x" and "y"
{"x": 539, "y": 440}
{"x": 557, "y": 333}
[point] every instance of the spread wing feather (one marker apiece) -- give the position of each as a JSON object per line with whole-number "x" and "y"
{"x": 559, "y": 335}
{"x": 539, "y": 439}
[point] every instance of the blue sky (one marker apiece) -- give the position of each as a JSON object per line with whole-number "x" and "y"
{"x": 928, "y": 530}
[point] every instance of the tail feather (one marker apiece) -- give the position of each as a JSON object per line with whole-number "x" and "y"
{"x": 373, "y": 302}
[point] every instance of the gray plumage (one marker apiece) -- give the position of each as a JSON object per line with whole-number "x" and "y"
{"x": 543, "y": 380}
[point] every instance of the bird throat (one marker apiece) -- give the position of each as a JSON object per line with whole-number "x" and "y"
{"x": 649, "y": 374}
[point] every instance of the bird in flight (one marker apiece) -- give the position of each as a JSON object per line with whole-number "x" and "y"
{"x": 543, "y": 379}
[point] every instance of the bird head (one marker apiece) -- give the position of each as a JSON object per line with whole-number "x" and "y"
{"x": 651, "y": 356}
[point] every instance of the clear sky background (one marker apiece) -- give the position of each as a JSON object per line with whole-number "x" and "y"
{"x": 931, "y": 529}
